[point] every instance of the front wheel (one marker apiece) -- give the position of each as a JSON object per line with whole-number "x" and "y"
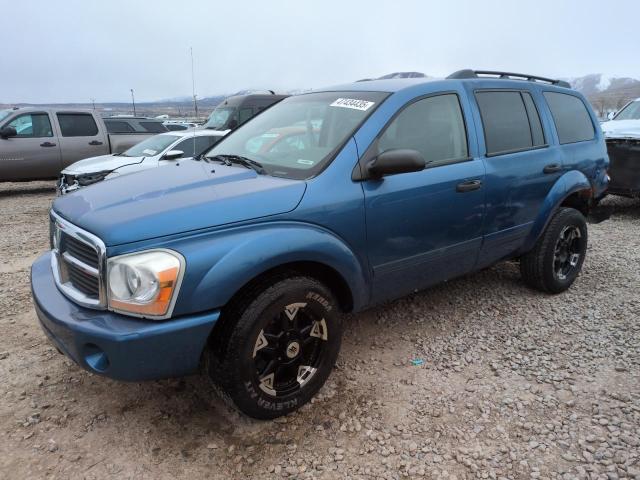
{"x": 283, "y": 341}
{"x": 556, "y": 260}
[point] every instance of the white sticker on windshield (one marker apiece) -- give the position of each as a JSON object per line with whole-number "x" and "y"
{"x": 353, "y": 103}
{"x": 305, "y": 162}
{"x": 149, "y": 152}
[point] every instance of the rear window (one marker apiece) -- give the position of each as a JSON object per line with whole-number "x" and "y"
{"x": 77, "y": 125}
{"x": 153, "y": 127}
{"x": 572, "y": 120}
{"x": 510, "y": 120}
{"x": 118, "y": 126}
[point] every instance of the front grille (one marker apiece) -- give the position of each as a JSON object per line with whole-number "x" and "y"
{"x": 78, "y": 259}
{"x": 79, "y": 250}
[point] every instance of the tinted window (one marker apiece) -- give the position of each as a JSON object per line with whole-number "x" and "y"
{"x": 172, "y": 127}
{"x": 505, "y": 121}
{"x": 571, "y": 117}
{"x": 433, "y": 126}
{"x": 153, "y": 127}
{"x": 118, "y": 126}
{"x": 77, "y": 125}
{"x": 537, "y": 135}
{"x": 245, "y": 114}
{"x": 195, "y": 145}
{"x": 34, "y": 125}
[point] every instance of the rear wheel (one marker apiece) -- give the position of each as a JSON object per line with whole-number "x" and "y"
{"x": 556, "y": 260}
{"x": 283, "y": 341}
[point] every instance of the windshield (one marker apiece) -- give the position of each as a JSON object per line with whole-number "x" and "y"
{"x": 151, "y": 146}
{"x": 630, "y": 112}
{"x": 297, "y": 137}
{"x": 4, "y": 114}
{"x": 219, "y": 117}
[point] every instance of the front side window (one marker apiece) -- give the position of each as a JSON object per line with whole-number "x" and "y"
{"x": 220, "y": 117}
{"x": 77, "y": 125}
{"x": 153, "y": 127}
{"x": 571, "y": 117}
{"x": 630, "y": 112}
{"x": 434, "y": 126}
{"x": 510, "y": 121}
{"x": 32, "y": 125}
{"x": 151, "y": 146}
{"x": 324, "y": 119}
{"x": 118, "y": 126}
{"x": 245, "y": 114}
{"x": 194, "y": 146}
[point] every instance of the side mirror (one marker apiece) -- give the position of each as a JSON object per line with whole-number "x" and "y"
{"x": 6, "y": 132}
{"x": 233, "y": 124}
{"x": 396, "y": 161}
{"x": 173, "y": 155}
{"x": 610, "y": 115}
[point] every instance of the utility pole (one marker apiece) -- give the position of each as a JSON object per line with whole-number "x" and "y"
{"x": 133, "y": 101}
{"x": 193, "y": 85}
{"x": 93, "y": 102}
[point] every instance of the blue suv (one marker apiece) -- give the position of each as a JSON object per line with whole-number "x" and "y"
{"x": 242, "y": 261}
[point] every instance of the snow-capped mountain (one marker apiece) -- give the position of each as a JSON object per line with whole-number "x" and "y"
{"x": 596, "y": 84}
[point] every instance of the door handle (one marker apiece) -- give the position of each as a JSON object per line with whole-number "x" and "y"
{"x": 468, "y": 186}
{"x": 552, "y": 168}
{"x": 47, "y": 144}
{"x": 95, "y": 142}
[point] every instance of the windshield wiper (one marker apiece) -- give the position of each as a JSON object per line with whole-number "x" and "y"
{"x": 247, "y": 162}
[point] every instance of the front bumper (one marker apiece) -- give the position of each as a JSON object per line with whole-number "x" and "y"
{"x": 113, "y": 345}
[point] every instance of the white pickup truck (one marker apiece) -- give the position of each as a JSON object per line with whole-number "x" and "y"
{"x": 37, "y": 143}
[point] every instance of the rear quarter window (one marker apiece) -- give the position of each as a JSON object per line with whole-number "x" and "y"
{"x": 571, "y": 117}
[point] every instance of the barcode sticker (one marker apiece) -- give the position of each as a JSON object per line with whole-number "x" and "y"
{"x": 353, "y": 103}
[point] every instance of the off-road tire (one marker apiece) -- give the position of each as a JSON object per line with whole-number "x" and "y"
{"x": 230, "y": 358}
{"x": 537, "y": 266}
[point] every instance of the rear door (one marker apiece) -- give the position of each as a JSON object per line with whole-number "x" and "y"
{"x": 34, "y": 153}
{"x": 80, "y": 137}
{"x": 521, "y": 167}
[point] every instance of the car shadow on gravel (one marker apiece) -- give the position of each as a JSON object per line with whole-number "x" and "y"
{"x": 10, "y": 192}
{"x": 624, "y": 208}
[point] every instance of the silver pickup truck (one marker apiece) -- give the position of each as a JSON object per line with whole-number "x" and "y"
{"x": 37, "y": 143}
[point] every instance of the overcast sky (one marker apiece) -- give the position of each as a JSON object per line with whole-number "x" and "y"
{"x": 71, "y": 51}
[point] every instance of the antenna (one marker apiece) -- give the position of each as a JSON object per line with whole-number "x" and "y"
{"x": 195, "y": 101}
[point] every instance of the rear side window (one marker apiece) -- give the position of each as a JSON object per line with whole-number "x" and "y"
{"x": 77, "y": 125}
{"x": 434, "y": 126}
{"x": 571, "y": 117}
{"x": 118, "y": 126}
{"x": 510, "y": 121}
{"x": 153, "y": 127}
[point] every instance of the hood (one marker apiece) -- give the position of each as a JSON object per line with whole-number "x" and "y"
{"x": 191, "y": 196}
{"x": 99, "y": 164}
{"x": 621, "y": 129}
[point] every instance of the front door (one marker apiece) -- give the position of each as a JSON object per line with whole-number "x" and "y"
{"x": 34, "y": 152}
{"x": 425, "y": 227}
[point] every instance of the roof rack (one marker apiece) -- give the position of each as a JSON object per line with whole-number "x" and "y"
{"x": 468, "y": 73}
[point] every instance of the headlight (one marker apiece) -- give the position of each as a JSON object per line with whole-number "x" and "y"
{"x": 145, "y": 284}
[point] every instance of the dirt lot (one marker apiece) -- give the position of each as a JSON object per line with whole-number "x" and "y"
{"x": 513, "y": 384}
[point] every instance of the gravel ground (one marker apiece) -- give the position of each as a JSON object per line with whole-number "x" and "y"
{"x": 513, "y": 384}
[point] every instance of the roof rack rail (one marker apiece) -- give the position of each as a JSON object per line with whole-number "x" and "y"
{"x": 468, "y": 73}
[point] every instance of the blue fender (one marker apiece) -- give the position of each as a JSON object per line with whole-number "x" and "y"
{"x": 571, "y": 182}
{"x": 220, "y": 263}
